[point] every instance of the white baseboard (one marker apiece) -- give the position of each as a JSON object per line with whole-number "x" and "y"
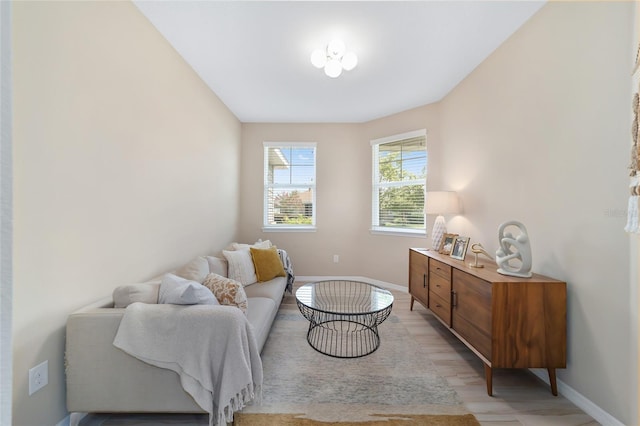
{"x": 579, "y": 400}
{"x": 367, "y": 280}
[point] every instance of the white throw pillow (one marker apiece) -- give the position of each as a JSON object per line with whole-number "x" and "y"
{"x": 258, "y": 244}
{"x": 195, "y": 270}
{"x": 179, "y": 291}
{"x": 241, "y": 266}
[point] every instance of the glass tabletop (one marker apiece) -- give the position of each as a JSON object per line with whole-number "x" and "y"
{"x": 344, "y": 297}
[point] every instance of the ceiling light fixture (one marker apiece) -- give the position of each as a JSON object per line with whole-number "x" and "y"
{"x": 334, "y": 59}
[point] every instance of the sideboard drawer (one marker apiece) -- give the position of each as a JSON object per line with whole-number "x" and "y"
{"x": 440, "y": 268}
{"x": 440, "y": 286}
{"x": 440, "y": 307}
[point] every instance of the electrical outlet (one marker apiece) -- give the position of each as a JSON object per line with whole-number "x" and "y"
{"x": 38, "y": 377}
{"x": 336, "y": 258}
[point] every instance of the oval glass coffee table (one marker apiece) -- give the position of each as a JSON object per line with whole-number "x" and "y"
{"x": 344, "y": 316}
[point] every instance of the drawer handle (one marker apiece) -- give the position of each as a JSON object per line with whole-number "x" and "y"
{"x": 438, "y": 305}
{"x": 454, "y": 298}
{"x": 424, "y": 281}
{"x": 437, "y": 285}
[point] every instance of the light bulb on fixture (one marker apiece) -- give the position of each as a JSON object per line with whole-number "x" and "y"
{"x": 349, "y": 61}
{"x": 334, "y": 58}
{"x": 319, "y": 58}
{"x": 333, "y": 68}
{"x": 336, "y": 48}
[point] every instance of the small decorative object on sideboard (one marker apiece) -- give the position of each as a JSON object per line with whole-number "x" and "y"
{"x": 447, "y": 243}
{"x": 477, "y": 249}
{"x": 514, "y": 255}
{"x": 459, "y": 248}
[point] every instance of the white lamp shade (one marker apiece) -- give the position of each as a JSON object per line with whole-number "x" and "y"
{"x": 442, "y": 202}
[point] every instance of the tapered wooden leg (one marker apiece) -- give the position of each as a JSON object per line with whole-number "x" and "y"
{"x": 552, "y": 380}
{"x": 411, "y": 306}
{"x": 488, "y": 373}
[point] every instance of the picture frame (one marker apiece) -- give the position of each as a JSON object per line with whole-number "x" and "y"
{"x": 447, "y": 243}
{"x": 459, "y": 248}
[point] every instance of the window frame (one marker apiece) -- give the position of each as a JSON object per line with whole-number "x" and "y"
{"x": 375, "y": 201}
{"x": 266, "y": 226}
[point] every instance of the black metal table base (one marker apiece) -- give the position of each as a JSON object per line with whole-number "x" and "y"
{"x": 343, "y": 338}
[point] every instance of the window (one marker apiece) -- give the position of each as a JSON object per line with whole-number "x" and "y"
{"x": 289, "y": 186}
{"x": 399, "y": 183}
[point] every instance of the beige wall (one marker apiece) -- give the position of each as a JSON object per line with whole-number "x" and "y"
{"x": 540, "y": 132}
{"x": 343, "y": 215}
{"x": 125, "y": 165}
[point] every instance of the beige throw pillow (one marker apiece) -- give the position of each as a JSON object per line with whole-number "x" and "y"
{"x": 218, "y": 265}
{"x": 227, "y": 291}
{"x": 195, "y": 270}
{"x": 125, "y": 295}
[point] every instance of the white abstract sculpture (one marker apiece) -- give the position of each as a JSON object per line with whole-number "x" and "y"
{"x": 514, "y": 255}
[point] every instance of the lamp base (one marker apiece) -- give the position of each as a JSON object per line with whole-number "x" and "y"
{"x": 438, "y": 231}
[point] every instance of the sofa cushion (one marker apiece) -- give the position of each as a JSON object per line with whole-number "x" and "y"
{"x": 146, "y": 292}
{"x": 227, "y": 291}
{"x": 267, "y": 263}
{"x": 218, "y": 266}
{"x": 272, "y": 289}
{"x": 195, "y": 270}
{"x": 241, "y": 266}
{"x": 260, "y": 315}
{"x": 179, "y": 291}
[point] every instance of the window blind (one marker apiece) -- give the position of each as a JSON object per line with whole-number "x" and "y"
{"x": 399, "y": 183}
{"x": 289, "y": 185}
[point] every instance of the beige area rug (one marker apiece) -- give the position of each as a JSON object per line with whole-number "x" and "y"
{"x": 396, "y": 385}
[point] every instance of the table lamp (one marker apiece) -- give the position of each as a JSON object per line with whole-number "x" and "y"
{"x": 440, "y": 203}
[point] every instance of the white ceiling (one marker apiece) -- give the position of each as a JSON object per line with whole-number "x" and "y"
{"x": 255, "y": 55}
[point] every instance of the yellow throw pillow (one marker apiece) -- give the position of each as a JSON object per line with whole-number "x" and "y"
{"x": 267, "y": 263}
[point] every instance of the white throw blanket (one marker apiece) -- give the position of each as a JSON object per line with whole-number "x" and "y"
{"x": 212, "y": 348}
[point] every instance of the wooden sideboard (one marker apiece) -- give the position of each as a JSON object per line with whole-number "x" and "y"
{"x": 508, "y": 322}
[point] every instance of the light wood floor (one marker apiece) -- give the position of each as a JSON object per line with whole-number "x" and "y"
{"x": 519, "y": 397}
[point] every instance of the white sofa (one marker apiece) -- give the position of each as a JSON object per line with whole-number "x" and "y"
{"x": 103, "y": 378}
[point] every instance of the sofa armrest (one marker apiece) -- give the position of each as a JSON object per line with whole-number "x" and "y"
{"x": 102, "y": 378}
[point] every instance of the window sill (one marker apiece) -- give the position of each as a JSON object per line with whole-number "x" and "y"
{"x": 400, "y": 233}
{"x": 289, "y": 229}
